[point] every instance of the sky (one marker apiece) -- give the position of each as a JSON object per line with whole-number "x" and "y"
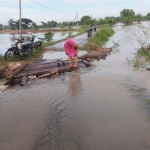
{"x": 66, "y": 10}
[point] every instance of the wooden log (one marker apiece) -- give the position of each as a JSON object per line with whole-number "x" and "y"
{"x": 24, "y": 81}
{"x": 53, "y": 71}
{"x": 11, "y": 77}
{"x": 36, "y": 73}
{"x": 86, "y": 63}
{"x": 16, "y": 72}
{"x": 6, "y": 83}
{"x": 88, "y": 59}
{"x": 48, "y": 66}
{"x": 46, "y": 75}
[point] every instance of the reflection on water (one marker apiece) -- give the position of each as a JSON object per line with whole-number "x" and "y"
{"x": 75, "y": 85}
{"x": 100, "y": 108}
{"x": 57, "y": 55}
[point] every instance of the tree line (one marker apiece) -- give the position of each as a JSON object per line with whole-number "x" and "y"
{"x": 127, "y": 16}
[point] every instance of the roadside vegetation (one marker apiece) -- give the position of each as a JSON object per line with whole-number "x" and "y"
{"x": 100, "y": 38}
{"x": 142, "y": 36}
{"x": 127, "y": 16}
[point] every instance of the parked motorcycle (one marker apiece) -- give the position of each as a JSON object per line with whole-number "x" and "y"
{"x": 36, "y": 43}
{"x": 27, "y": 49}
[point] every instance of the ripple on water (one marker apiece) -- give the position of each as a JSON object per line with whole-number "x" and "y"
{"x": 82, "y": 110}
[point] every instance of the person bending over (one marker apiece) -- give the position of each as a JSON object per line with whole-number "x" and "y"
{"x": 71, "y": 49}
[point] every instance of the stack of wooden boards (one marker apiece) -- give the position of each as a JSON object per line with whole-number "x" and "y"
{"x": 42, "y": 69}
{"x": 45, "y": 68}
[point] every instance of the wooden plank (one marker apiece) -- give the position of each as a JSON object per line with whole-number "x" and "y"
{"x": 24, "y": 81}
{"x": 53, "y": 71}
{"x": 46, "y": 75}
{"x": 30, "y": 69}
{"x": 11, "y": 77}
{"x": 86, "y": 63}
{"x": 37, "y": 72}
{"x": 43, "y": 66}
{"x": 53, "y": 62}
{"x": 16, "y": 72}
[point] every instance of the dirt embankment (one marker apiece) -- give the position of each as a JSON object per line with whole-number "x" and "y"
{"x": 9, "y": 68}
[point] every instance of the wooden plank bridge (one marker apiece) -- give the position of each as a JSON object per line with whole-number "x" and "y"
{"x": 48, "y": 68}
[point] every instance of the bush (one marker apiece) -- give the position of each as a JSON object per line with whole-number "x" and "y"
{"x": 49, "y": 36}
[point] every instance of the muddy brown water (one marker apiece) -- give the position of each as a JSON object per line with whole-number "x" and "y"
{"x": 101, "y": 108}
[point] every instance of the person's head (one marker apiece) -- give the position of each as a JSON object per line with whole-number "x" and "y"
{"x": 69, "y": 44}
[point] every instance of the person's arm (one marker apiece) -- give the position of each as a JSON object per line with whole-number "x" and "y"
{"x": 76, "y": 49}
{"x": 65, "y": 50}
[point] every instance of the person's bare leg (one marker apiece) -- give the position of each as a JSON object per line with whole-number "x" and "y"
{"x": 70, "y": 61}
{"x": 76, "y": 59}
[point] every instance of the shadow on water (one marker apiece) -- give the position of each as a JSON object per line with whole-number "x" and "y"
{"x": 99, "y": 108}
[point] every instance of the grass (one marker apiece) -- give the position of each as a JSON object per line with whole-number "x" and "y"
{"x": 144, "y": 52}
{"x": 100, "y": 38}
{"x": 141, "y": 58}
{"x": 1, "y": 58}
{"x": 2, "y": 61}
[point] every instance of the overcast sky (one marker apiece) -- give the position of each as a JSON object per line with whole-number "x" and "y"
{"x": 96, "y": 8}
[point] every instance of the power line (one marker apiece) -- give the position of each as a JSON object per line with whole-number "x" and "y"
{"x": 52, "y": 8}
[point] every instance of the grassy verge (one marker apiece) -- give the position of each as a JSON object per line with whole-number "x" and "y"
{"x": 142, "y": 56}
{"x": 100, "y": 38}
{"x": 2, "y": 61}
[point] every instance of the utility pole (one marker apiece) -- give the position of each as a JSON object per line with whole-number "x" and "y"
{"x": 77, "y": 19}
{"x": 20, "y": 23}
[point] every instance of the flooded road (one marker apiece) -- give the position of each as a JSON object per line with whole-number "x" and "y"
{"x": 106, "y": 107}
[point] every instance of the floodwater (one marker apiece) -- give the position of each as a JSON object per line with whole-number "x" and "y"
{"x": 6, "y": 39}
{"x": 105, "y": 107}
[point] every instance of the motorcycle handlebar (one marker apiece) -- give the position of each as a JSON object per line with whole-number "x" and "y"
{"x": 20, "y": 41}
{"x": 40, "y": 38}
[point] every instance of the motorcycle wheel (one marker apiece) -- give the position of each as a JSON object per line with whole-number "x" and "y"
{"x": 39, "y": 44}
{"x": 9, "y": 55}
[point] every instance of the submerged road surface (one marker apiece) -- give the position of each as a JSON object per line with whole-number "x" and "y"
{"x": 101, "y": 108}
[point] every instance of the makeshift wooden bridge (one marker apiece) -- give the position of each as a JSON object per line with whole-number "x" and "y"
{"x": 48, "y": 68}
{"x": 42, "y": 69}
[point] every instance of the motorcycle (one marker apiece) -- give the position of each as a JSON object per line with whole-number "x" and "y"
{"x": 27, "y": 49}
{"x": 36, "y": 43}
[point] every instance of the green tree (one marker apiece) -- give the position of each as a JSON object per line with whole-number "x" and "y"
{"x": 44, "y": 25}
{"x": 1, "y": 27}
{"x": 34, "y": 26}
{"x": 138, "y": 18}
{"x": 26, "y": 23}
{"x": 110, "y": 20}
{"x": 49, "y": 36}
{"x": 11, "y": 24}
{"x": 87, "y": 20}
{"x": 148, "y": 16}
{"x": 84, "y": 19}
{"x": 127, "y": 16}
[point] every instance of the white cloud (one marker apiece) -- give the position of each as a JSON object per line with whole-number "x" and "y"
{"x": 38, "y": 13}
{"x": 144, "y": 2}
{"x": 94, "y": 1}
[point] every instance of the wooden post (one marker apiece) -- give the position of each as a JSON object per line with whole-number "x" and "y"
{"x": 24, "y": 81}
{"x": 86, "y": 63}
